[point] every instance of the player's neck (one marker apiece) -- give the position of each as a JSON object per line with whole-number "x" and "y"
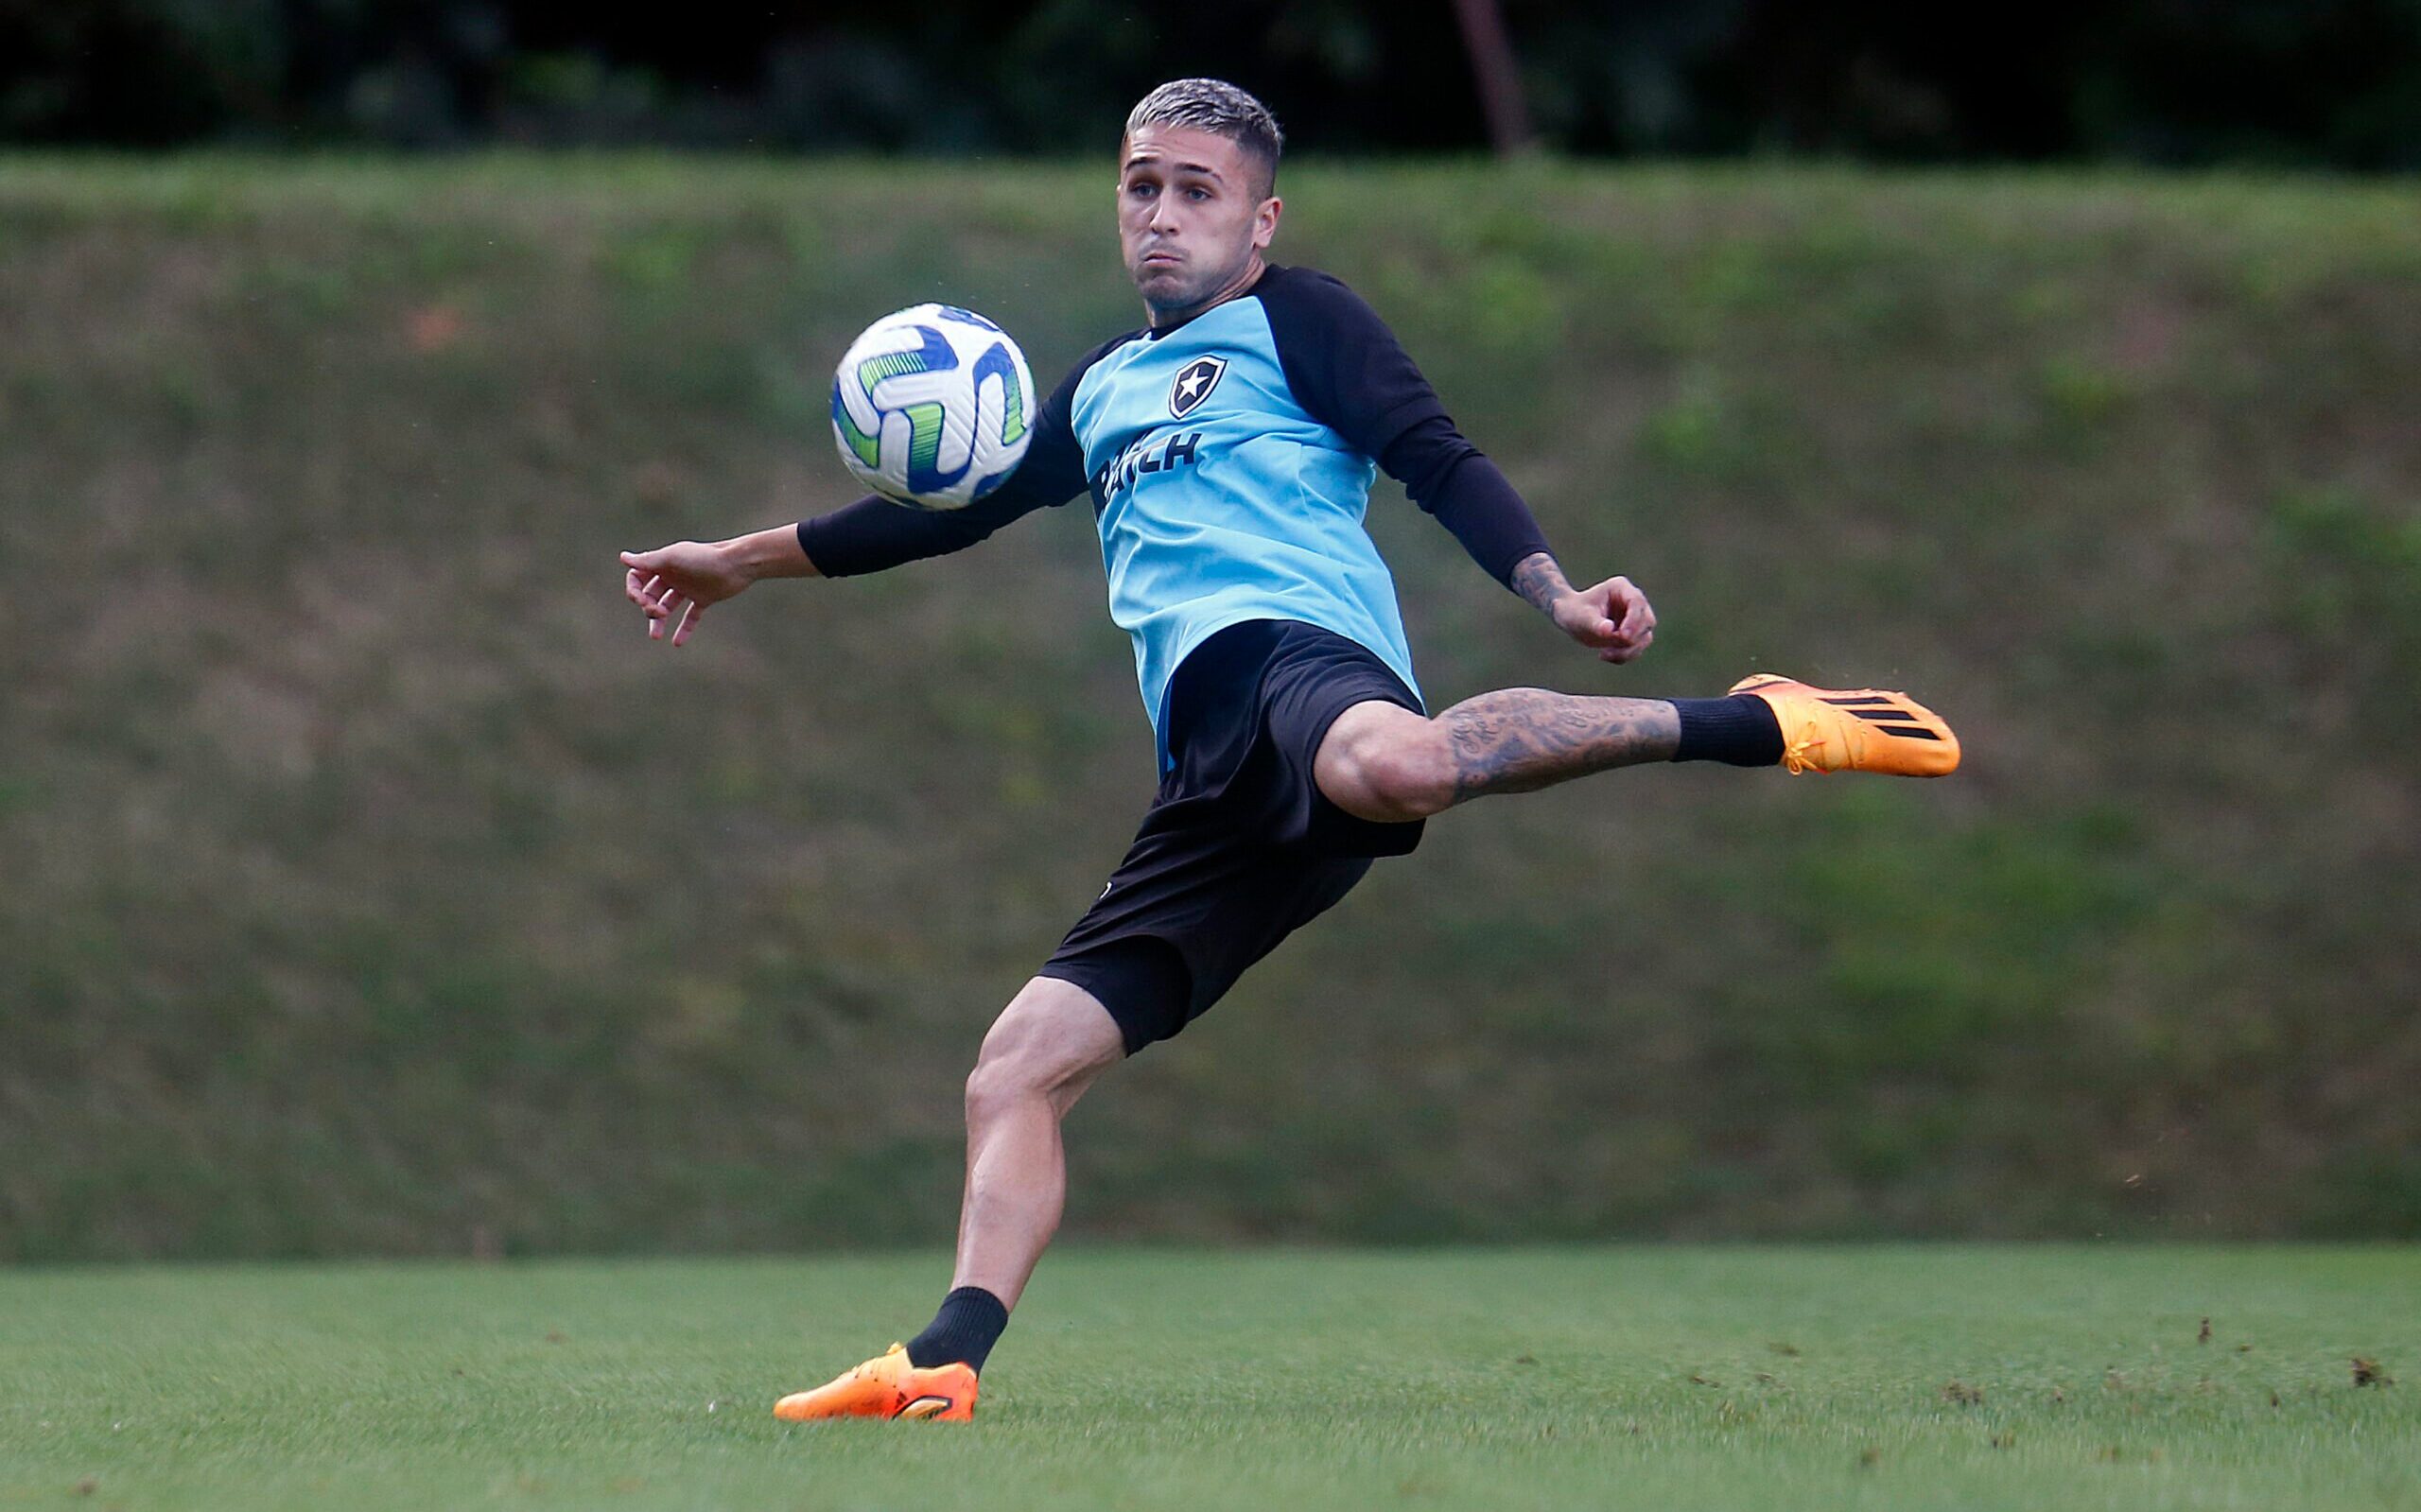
{"x": 1235, "y": 287}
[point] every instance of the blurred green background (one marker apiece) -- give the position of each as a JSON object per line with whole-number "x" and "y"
{"x": 372, "y": 884}
{"x": 2316, "y": 83}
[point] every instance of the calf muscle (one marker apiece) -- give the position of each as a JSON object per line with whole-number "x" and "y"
{"x": 1520, "y": 739}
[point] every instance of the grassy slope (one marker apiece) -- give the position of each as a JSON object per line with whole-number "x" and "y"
{"x": 1669, "y": 1378}
{"x": 373, "y": 884}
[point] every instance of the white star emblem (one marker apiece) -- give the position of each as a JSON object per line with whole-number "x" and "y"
{"x": 1194, "y": 384}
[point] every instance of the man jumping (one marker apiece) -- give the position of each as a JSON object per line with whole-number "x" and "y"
{"x": 1228, "y": 449}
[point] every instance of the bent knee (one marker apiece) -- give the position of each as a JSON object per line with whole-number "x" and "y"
{"x": 1390, "y": 767}
{"x": 997, "y": 1082}
{"x": 1051, "y": 1041}
{"x": 1000, "y": 1082}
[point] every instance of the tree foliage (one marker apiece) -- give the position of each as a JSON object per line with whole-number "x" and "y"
{"x": 2321, "y": 82}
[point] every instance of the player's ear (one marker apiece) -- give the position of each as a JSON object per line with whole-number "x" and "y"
{"x": 1264, "y": 220}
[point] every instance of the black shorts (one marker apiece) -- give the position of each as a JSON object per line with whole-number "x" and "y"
{"x": 1240, "y": 848}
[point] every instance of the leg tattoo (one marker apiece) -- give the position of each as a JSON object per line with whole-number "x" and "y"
{"x": 1524, "y": 739}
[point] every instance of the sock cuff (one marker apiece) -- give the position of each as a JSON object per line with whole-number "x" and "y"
{"x": 980, "y": 1301}
{"x": 1740, "y": 730}
{"x": 970, "y": 1323}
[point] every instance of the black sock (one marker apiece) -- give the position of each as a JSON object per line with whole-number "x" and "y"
{"x": 1741, "y": 730}
{"x": 965, "y": 1329}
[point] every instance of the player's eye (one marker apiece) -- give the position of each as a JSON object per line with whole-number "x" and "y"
{"x": 1197, "y": 192}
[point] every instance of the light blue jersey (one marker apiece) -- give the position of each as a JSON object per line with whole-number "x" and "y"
{"x": 1220, "y": 500}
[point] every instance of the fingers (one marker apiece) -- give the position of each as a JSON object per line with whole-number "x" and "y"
{"x": 1637, "y": 630}
{"x": 1614, "y": 619}
{"x": 1583, "y": 617}
{"x": 645, "y": 584}
{"x": 639, "y": 590}
{"x": 1601, "y": 630}
{"x": 1594, "y": 631}
{"x": 654, "y": 596}
{"x": 1627, "y": 645}
{"x": 1628, "y": 648}
{"x": 670, "y": 611}
{"x": 1638, "y": 620}
{"x": 658, "y": 599}
{"x": 1600, "y": 622}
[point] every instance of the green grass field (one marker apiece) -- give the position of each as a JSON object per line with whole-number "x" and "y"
{"x": 1940, "y": 1377}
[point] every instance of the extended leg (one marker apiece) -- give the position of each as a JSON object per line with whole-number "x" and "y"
{"x": 1387, "y": 763}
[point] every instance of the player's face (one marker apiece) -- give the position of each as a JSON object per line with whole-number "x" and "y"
{"x": 1188, "y": 221}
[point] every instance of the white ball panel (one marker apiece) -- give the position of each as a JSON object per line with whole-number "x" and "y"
{"x": 969, "y": 443}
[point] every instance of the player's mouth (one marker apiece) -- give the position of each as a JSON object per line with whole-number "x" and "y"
{"x": 1161, "y": 258}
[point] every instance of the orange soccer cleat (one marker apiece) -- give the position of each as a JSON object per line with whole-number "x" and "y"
{"x": 1863, "y": 729}
{"x": 888, "y": 1386}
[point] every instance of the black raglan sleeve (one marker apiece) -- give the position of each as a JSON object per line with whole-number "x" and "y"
{"x": 1350, "y": 374}
{"x": 875, "y": 533}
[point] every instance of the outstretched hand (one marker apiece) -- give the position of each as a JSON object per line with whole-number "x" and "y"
{"x": 1612, "y": 619}
{"x": 673, "y": 585}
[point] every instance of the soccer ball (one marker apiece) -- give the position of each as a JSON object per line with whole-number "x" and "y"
{"x": 933, "y": 406}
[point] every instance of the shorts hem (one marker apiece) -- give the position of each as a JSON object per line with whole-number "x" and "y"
{"x": 1331, "y": 824}
{"x": 1140, "y": 980}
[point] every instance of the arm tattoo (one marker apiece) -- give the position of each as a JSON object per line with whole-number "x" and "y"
{"x": 1539, "y": 579}
{"x": 1524, "y": 739}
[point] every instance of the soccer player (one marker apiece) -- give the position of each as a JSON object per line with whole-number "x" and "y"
{"x": 1228, "y": 449}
